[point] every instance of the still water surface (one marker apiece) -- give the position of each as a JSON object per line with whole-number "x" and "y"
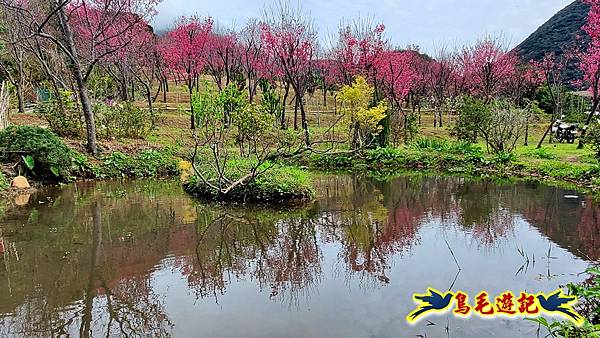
{"x": 140, "y": 258}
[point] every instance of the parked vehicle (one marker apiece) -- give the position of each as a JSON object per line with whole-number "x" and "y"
{"x": 565, "y": 131}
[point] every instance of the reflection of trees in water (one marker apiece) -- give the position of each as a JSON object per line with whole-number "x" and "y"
{"x": 282, "y": 255}
{"x": 85, "y": 276}
{"x": 371, "y": 224}
{"x": 86, "y": 258}
{"x": 481, "y": 208}
{"x": 571, "y": 223}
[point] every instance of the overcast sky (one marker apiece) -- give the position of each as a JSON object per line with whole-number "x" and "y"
{"x": 427, "y": 23}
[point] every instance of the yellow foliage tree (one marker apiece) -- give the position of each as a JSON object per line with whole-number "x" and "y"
{"x": 362, "y": 119}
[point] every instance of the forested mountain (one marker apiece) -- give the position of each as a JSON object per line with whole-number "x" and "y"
{"x": 562, "y": 32}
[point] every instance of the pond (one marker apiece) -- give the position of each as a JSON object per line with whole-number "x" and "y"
{"x": 140, "y": 258}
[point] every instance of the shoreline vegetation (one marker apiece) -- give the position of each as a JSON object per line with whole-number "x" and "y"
{"x": 289, "y": 179}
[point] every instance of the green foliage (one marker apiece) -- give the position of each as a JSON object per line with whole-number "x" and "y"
{"x": 504, "y": 158}
{"x": 541, "y": 153}
{"x": 271, "y": 102}
{"x": 233, "y": 101}
{"x": 384, "y": 156}
{"x": 362, "y": 119}
{"x": 588, "y": 293}
{"x": 252, "y": 123}
{"x": 562, "y": 169}
{"x": 435, "y": 144}
{"x": 62, "y": 114}
{"x": 588, "y": 305}
{"x": 571, "y": 105}
{"x": 122, "y": 120}
{"x": 149, "y": 163}
{"x": 102, "y": 86}
{"x": 474, "y": 113}
{"x": 49, "y": 157}
{"x": 412, "y": 127}
{"x": 206, "y": 104}
{"x": 82, "y": 166}
{"x": 500, "y": 123}
{"x": 442, "y": 145}
{"x": 592, "y": 138}
{"x": 4, "y": 183}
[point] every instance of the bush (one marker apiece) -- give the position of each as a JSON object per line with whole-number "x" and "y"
{"x": 473, "y": 114}
{"x": 505, "y": 126}
{"x": 592, "y": 138}
{"x": 434, "y": 144}
{"x": 149, "y": 163}
{"x": 4, "y": 183}
{"x": 504, "y": 158}
{"x": 62, "y": 114}
{"x": 51, "y": 157}
{"x": 122, "y": 120}
{"x": 542, "y": 153}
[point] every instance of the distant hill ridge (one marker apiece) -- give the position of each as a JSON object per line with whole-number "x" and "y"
{"x": 557, "y": 34}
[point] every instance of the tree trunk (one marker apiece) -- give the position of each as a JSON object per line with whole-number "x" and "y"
{"x": 296, "y": 113}
{"x": 150, "y": 105}
{"x": 192, "y": 119}
{"x": 545, "y": 134}
{"x": 587, "y": 123}
{"x": 304, "y": 123}
{"x": 20, "y": 99}
{"x": 82, "y": 86}
{"x": 526, "y": 132}
{"x": 285, "y": 95}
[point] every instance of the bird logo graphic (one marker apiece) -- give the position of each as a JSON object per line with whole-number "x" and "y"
{"x": 433, "y": 301}
{"x": 559, "y": 303}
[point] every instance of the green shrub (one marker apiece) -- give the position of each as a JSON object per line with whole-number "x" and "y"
{"x": 465, "y": 148}
{"x": 504, "y": 158}
{"x": 62, "y": 114}
{"x": 4, "y": 183}
{"x": 588, "y": 305}
{"x": 592, "y": 138}
{"x": 542, "y": 153}
{"x": 384, "y": 156}
{"x": 82, "y": 167}
{"x": 122, "y": 120}
{"x": 51, "y": 157}
{"x": 474, "y": 113}
{"x": 589, "y": 296}
{"x": 434, "y": 144}
{"x": 149, "y": 163}
{"x": 560, "y": 169}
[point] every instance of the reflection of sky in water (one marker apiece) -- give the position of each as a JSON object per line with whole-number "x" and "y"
{"x": 349, "y": 307}
{"x": 346, "y": 267}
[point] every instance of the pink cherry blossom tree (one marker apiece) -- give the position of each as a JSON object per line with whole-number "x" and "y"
{"x": 444, "y": 80}
{"x": 222, "y": 56}
{"x": 396, "y": 76}
{"x": 86, "y": 32}
{"x": 289, "y": 38}
{"x": 590, "y": 60}
{"x": 251, "y": 56}
{"x": 184, "y": 51}
{"x": 357, "y": 48}
{"x": 421, "y": 66}
{"x": 487, "y": 66}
